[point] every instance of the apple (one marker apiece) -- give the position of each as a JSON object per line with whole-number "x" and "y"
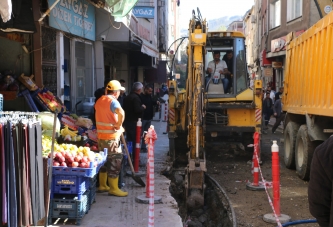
{"x": 83, "y": 165}
{"x": 93, "y": 148}
{"x": 75, "y": 164}
{"x": 77, "y": 158}
{"x": 87, "y": 145}
{"x": 70, "y": 160}
{"x": 63, "y": 164}
{"x": 84, "y": 159}
{"x": 61, "y": 159}
{"x": 56, "y": 164}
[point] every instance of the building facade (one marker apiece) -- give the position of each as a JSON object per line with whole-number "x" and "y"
{"x": 79, "y": 45}
{"x": 275, "y": 20}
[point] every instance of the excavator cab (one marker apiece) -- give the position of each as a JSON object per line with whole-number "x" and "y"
{"x": 230, "y": 49}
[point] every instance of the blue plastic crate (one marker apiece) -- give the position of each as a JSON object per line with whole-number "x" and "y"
{"x": 67, "y": 206}
{"x": 65, "y": 184}
{"x": 92, "y": 181}
{"x": 92, "y": 194}
{"x": 74, "y": 171}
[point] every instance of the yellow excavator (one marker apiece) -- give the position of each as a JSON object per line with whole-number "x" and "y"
{"x": 207, "y": 110}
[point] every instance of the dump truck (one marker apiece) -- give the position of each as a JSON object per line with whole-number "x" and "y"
{"x": 204, "y": 111}
{"x": 308, "y": 96}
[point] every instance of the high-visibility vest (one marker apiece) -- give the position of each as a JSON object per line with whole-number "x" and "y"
{"x": 105, "y": 119}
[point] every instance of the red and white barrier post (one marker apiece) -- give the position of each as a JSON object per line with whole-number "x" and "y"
{"x": 276, "y": 216}
{"x": 137, "y": 145}
{"x": 255, "y": 185}
{"x": 150, "y": 196}
{"x": 276, "y": 177}
{"x": 165, "y": 117}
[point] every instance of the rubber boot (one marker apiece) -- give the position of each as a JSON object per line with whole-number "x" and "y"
{"x": 103, "y": 177}
{"x": 114, "y": 190}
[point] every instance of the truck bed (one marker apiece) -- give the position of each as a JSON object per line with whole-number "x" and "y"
{"x": 308, "y": 86}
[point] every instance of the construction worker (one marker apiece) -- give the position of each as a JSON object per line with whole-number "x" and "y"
{"x": 109, "y": 119}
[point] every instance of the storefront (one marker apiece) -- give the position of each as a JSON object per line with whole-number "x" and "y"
{"x": 277, "y": 57}
{"x": 125, "y": 49}
{"x": 73, "y": 25}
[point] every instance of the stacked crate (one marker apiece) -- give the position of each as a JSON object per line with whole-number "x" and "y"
{"x": 73, "y": 191}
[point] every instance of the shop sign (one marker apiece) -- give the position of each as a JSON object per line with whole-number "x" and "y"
{"x": 277, "y": 64}
{"x": 278, "y": 44}
{"x": 268, "y": 71}
{"x": 76, "y": 17}
{"x": 263, "y": 60}
{"x": 144, "y": 12}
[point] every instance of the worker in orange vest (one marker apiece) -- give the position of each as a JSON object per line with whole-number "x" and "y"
{"x": 109, "y": 119}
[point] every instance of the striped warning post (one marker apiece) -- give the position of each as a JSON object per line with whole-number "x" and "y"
{"x": 172, "y": 114}
{"x": 258, "y": 115}
{"x": 166, "y": 106}
{"x": 150, "y": 189}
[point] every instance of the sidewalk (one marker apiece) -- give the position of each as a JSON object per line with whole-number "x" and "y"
{"x": 111, "y": 211}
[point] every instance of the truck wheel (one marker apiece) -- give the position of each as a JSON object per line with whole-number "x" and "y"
{"x": 303, "y": 153}
{"x": 290, "y": 134}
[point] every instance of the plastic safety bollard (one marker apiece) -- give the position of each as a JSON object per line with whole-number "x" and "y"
{"x": 276, "y": 216}
{"x": 255, "y": 185}
{"x": 137, "y": 145}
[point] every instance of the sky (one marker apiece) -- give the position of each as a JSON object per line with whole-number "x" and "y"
{"x": 212, "y": 9}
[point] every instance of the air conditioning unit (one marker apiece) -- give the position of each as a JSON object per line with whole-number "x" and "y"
{"x": 253, "y": 19}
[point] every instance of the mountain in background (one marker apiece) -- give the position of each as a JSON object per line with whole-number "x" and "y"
{"x": 219, "y": 24}
{"x": 222, "y": 23}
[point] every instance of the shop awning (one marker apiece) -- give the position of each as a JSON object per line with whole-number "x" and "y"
{"x": 149, "y": 49}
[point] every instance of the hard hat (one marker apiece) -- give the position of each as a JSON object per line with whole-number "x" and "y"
{"x": 114, "y": 85}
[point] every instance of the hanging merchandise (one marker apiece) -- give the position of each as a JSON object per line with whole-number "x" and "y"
{"x": 22, "y": 175}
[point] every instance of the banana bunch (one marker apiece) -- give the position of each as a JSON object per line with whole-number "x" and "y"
{"x": 66, "y": 131}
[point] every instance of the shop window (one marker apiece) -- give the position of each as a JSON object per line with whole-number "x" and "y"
{"x": 275, "y": 14}
{"x": 294, "y": 9}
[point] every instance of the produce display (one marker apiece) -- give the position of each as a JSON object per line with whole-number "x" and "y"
{"x": 49, "y": 100}
{"x": 70, "y": 155}
{"x": 69, "y": 135}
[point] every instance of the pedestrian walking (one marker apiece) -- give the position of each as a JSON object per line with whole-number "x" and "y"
{"x": 148, "y": 114}
{"x": 278, "y": 114}
{"x": 109, "y": 119}
{"x": 267, "y": 109}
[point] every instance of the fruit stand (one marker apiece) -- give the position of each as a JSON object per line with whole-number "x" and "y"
{"x": 74, "y": 179}
{"x": 76, "y": 158}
